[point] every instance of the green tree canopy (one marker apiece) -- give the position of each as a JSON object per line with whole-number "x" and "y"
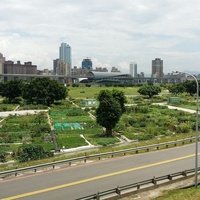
{"x": 28, "y": 152}
{"x": 111, "y": 107}
{"x": 11, "y": 90}
{"x": 149, "y": 90}
{"x": 44, "y": 91}
{"x": 120, "y": 97}
{"x": 176, "y": 88}
{"x": 190, "y": 87}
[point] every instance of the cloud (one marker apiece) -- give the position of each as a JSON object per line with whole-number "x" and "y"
{"x": 110, "y": 32}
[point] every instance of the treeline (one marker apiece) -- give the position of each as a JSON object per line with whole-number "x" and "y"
{"x": 37, "y": 91}
{"x": 189, "y": 87}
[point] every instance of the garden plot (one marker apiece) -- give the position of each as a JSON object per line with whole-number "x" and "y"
{"x": 150, "y": 121}
{"x": 25, "y": 129}
{"x": 68, "y": 126}
{"x": 70, "y": 123}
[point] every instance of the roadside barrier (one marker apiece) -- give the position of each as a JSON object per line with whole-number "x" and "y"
{"x": 69, "y": 162}
{"x": 121, "y": 191}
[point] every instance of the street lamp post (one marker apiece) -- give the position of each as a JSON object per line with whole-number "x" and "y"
{"x": 197, "y": 127}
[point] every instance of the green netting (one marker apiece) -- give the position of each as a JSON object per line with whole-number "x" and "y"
{"x": 70, "y": 126}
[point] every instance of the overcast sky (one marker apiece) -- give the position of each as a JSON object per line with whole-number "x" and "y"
{"x": 110, "y": 32}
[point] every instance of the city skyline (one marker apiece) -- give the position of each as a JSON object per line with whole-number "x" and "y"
{"x": 135, "y": 31}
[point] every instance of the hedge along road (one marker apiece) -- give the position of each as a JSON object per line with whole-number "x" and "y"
{"x": 77, "y": 181}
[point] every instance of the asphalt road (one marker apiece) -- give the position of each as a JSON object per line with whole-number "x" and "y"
{"x": 78, "y": 181}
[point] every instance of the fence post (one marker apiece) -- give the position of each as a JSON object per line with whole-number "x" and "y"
{"x": 97, "y": 196}
{"x": 169, "y": 177}
{"x": 184, "y": 173}
{"x": 154, "y": 181}
{"x": 118, "y": 191}
{"x": 175, "y": 144}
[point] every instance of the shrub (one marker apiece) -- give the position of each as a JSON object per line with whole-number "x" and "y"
{"x": 183, "y": 128}
{"x": 2, "y": 156}
{"x": 28, "y": 152}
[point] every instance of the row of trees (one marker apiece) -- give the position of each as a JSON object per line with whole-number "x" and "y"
{"x": 189, "y": 87}
{"x": 39, "y": 91}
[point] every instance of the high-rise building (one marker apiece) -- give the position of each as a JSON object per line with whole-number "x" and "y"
{"x": 133, "y": 69}
{"x": 2, "y": 61}
{"x": 65, "y": 59}
{"x": 87, "y": 64}
{"x": 56, "y": 66}
{"x": 115, "y": 69}
{"x": 157, "y": 68}
{"x": 18, "y": 68}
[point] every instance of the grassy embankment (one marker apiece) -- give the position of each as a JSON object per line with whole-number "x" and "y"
{"x": 181, "y": 194}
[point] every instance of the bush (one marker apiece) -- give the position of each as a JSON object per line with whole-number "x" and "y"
{"x": 2, "y": 156}
{"x": 87, "y": 109}
{"x": 183, "y": 128}
{"x": 28, "y": 152}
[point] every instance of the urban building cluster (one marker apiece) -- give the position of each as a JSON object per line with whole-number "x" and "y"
{"x": 63, "y": 71}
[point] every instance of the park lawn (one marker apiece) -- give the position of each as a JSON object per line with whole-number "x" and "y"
{"x": 70, "y": 119}
{"x": 33, "y": 107}
{"x": 66, "y": 140}
{"x": 7, "y": 107}
{"x": 47, "y": 145}
{"x": 93, "y": 91}
{"x": 96, "y": 137}
{"x": 181, "y": 194}
{"x": 188, "y": 105}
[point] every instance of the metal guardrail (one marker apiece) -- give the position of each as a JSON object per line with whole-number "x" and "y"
{"x": 135, "y": 150}
{"x": 121, "y": 191}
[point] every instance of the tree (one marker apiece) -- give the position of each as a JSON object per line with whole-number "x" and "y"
{"x": 120, "y": 97}
{"x": 110, "y": 109}
{"x": 176, "y": 88}
{"x": 149, "y": 90}
{"x": 12, "y": 89}
{"x": 190, "y": 87}
{"x": 28, "y": 152}
{"x": 44, "y": 91}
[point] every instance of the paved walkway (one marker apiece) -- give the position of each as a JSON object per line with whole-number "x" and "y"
{"x": 176, "y": 108}
{"x": 21, "y": 112}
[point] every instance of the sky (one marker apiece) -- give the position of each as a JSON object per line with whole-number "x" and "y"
{"x": 110, "y": 32}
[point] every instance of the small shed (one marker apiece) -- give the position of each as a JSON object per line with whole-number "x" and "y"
{"x": 88, "y": 103}
{"x": 174, "y": 100}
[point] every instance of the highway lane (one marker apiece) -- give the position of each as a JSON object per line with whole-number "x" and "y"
{"x": 78, "y": 181}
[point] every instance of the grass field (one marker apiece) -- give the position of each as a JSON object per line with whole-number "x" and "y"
{"x": 181, "y": 194}
{"x": 93, "y": 91}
